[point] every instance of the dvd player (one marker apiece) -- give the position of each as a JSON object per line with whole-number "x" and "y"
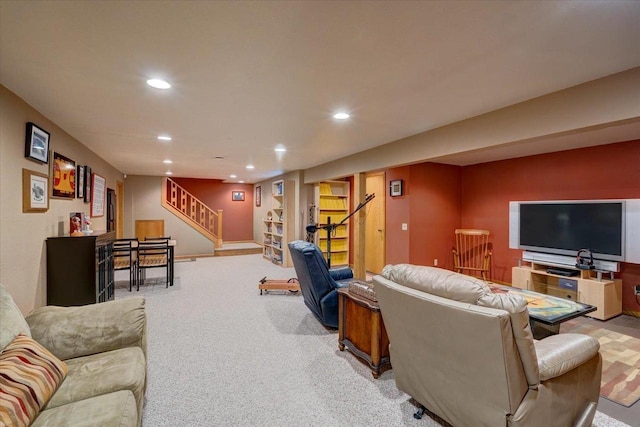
{"x": 563, "y": 271}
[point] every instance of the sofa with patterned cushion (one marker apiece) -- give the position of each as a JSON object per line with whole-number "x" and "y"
{"x": 73, "y": 366}
{"x": 468, "y": 355}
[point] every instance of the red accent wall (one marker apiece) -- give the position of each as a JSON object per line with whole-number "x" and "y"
{"x": 604, "y": 172}
{"x": 431, "y": 206}
{"x": 397, "y": 212}
{"x": 237, "y": 217}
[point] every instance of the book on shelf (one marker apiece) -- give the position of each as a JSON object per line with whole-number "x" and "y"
{"x": 325, "y": 188}
{"x": 277, "y": 189}
{"x": 333, "y": 203}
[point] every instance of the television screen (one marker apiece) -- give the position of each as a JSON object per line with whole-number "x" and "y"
{"x": 566, "y": 227}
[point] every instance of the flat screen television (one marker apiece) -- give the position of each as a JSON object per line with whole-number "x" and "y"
{"x": 565, "y": 227}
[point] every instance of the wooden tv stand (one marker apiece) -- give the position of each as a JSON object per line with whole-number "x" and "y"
{"x": 587, "y": 288}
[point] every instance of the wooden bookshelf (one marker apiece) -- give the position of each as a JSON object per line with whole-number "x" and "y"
{"x": 332, "y": 201}
{"x": 278, "y": 225}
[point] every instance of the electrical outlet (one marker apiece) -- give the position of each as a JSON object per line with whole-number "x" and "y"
{"x": 637, "y": 289}
{"x": 435, "y": 262}
{"x": 405, "y": 226}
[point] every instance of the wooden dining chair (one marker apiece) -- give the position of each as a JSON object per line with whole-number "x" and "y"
{"x": 124, "y": 258}
{"x": 157, "y": 239}
{"x": 154, "y": 254}
{"x": 165, "y": 239}
{"x": 472, "y": 253}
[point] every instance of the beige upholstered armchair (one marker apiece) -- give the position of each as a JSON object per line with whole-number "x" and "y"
{"x": 468, "y": 354}
{"x": 73, "y": 366}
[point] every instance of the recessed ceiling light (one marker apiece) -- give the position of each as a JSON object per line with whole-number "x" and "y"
{"x": 167, "y": 161}
{"x": 250, "y": 167}
{"x": 280, "y": 149}
{"x": 168, "y": 173}
{"x": 241, "y": 182}
{"x": 158, "y": 83}
{"x": 341, "y": 116}
{"x": 232, "y": 176}
{"x": 164, "y": 137}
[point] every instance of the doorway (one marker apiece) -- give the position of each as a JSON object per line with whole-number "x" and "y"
{"x": 375, "y": 236}
{"x": 111, "y": 209}
{"x": 119, "y": 209}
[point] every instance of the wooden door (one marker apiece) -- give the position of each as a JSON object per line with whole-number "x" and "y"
{"x": 375, "y": 225}
{"x": 119, "y": 209}
{"x": 111, "y": 209}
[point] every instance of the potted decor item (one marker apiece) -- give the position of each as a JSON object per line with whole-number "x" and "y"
{"x": 87, "y": 227}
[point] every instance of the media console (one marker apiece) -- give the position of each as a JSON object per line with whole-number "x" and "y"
{"x": 588, "y": 287}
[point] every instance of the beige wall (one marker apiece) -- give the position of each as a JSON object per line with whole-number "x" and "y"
{"x": 303, "y": 197}
{"x": 576, "y": 110}
{"x": 23, "y": 235}
{"x": 142, "y": 200}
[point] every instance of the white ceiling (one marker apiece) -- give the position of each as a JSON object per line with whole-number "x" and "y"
{"x": 248, "y": 76}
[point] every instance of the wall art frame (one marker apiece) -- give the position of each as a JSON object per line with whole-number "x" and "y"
{"x": 87, "y": 184}
{"x": 63, "y": 177}
{"x": 258, "y": 196}
{"x": 36, "y": 144}
{"x": 395, "y": 188}
{"x": 98, "y": 195}
{"x": 35, "y": 191}
{"x": 80, "y": 182}
{"x": 237, "y": 196}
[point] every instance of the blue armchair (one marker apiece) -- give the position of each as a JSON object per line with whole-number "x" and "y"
{"x": 319, "y": 284}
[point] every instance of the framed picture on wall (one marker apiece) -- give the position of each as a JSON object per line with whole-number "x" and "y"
{"x": 237, "y": 196}
{"x": 98, "y": 195}
{"x": 63, "y": 177}
{"x": 258, "y": 196}
{"x": 80, "y": 182}
{"x": 395, "y": 188}
{"x": 36, "y": 145}
{"x": 87, "y": 184}
{"x": 35, "y": 191}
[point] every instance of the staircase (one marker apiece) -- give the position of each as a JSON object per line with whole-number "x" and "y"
{"x": 192, "y": 211}
{"x": 239, "y": 248}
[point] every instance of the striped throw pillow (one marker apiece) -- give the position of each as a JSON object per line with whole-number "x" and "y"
{"x": 29, "y": 375}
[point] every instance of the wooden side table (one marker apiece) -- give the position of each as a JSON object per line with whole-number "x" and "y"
{"x": 361, "y": 330}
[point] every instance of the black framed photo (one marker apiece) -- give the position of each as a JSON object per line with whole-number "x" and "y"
{"x": 63, "y": 177}
{"x": 237, "y": 196}
{"x": 395, "y": 188}
{"x": 258, "y": 196}
{"x": 36, "y": 146}
{"x": 87, "y": 184}
{"x": 80, "y": 182}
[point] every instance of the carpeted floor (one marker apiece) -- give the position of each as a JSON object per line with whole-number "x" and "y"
{"x": 220, "y": 353}
{"x": 620, "y": 362}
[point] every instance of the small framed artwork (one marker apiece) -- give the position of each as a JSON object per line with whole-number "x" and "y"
{"x": 63, "y": 177}
{"x": 80, "y": 182}
{"x": 98, "y": 195}
{"x": 87, "y": 184}
{"x": 76, "y": 221}
{"x": 35, "y": 191}
{"x": 395, "y": 188}
{"x": 36, "y": 146}
{"x": 258, "y": 196}
{"x": 237, "y": 196}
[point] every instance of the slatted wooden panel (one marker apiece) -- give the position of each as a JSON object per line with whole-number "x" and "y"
{"x": 472, "y": 252}
{"x": 193, "y": 209}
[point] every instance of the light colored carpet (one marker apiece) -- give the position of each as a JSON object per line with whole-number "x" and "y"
{"x": 620, "y": 362}
{"x": 221, "y": 354}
